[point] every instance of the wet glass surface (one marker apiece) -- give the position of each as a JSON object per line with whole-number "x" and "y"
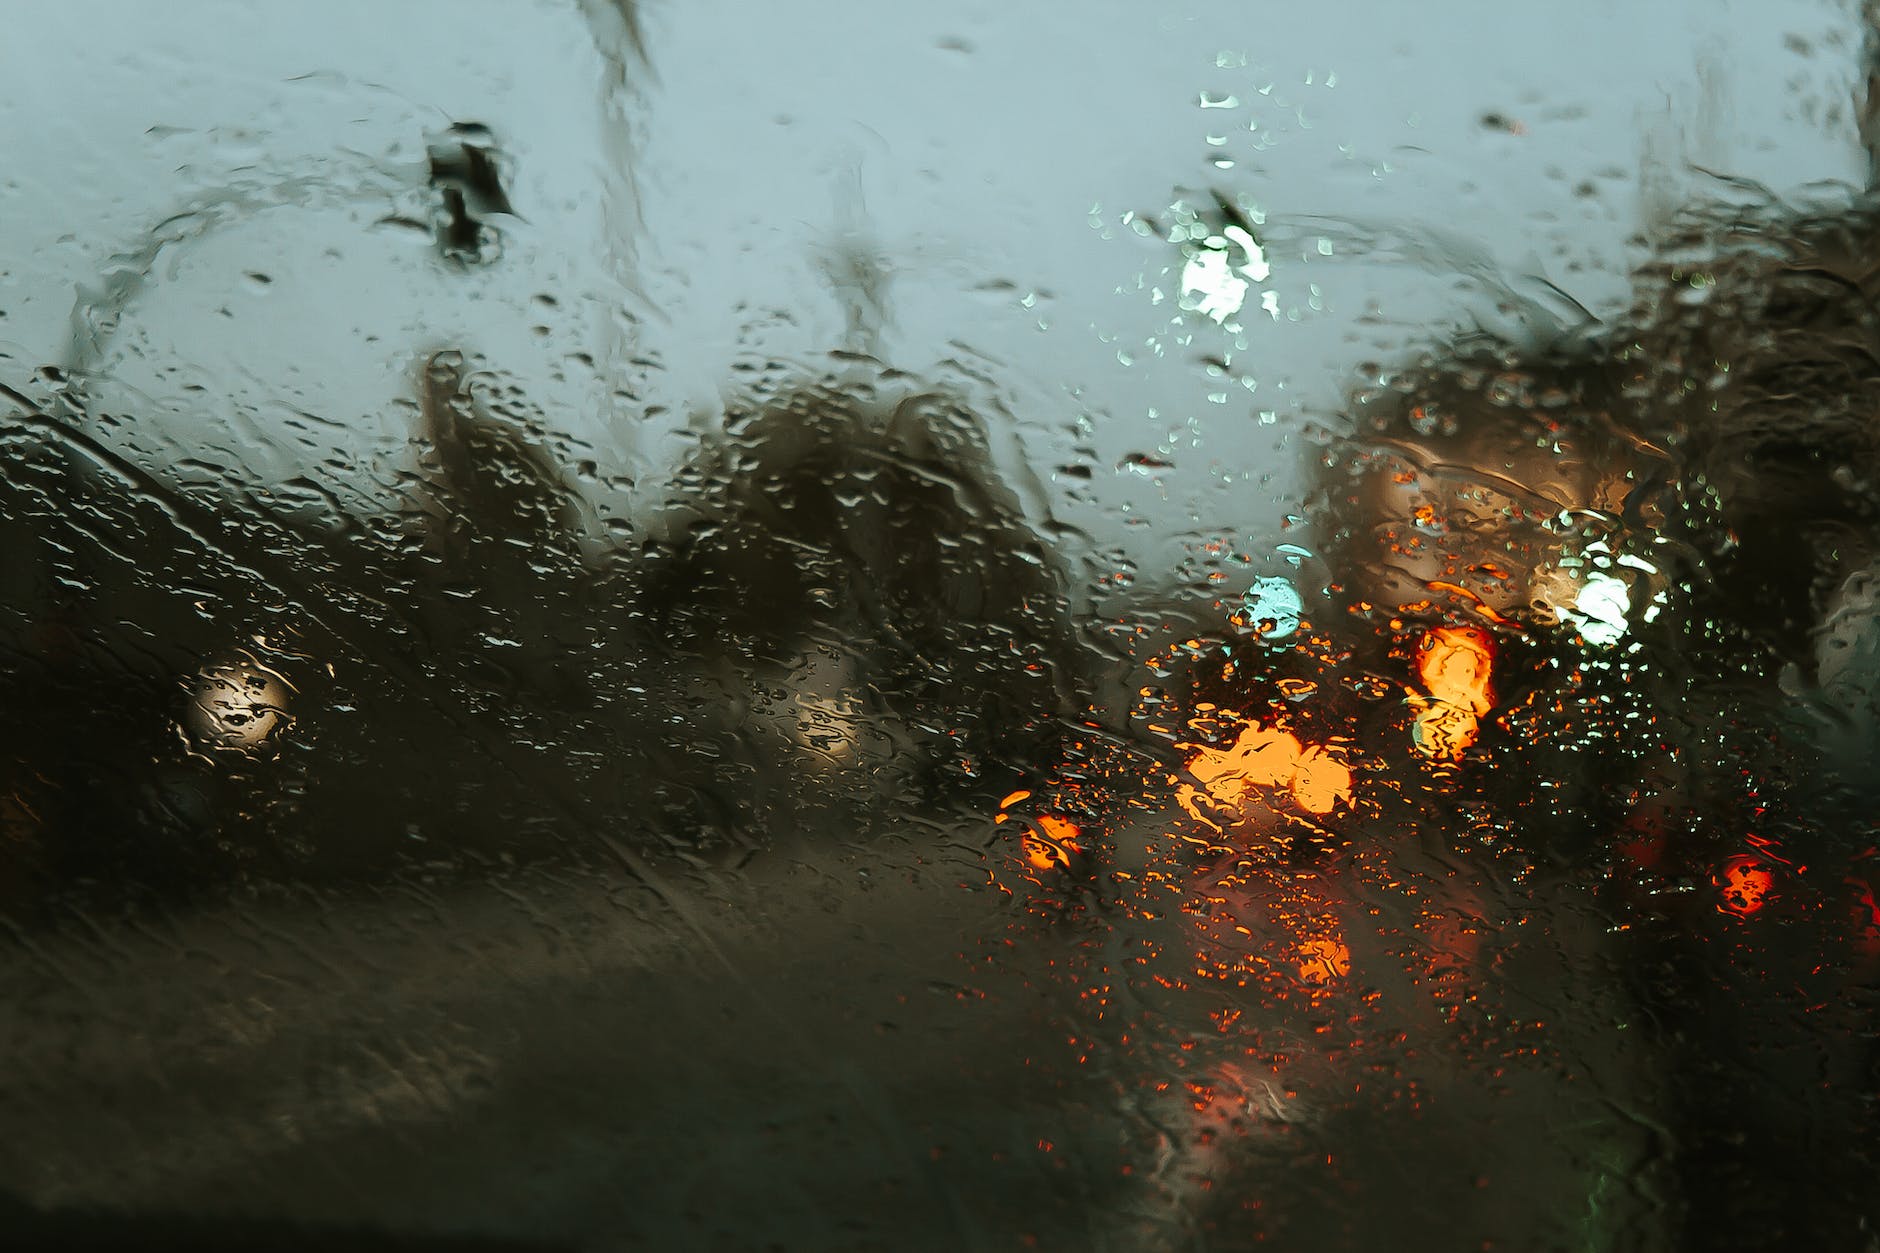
{"x": 1169, "y": 627}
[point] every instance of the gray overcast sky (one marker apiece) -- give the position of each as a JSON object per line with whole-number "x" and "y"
{"x": 988, "y": 150}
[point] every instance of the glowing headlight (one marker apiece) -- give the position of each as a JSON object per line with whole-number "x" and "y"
{"x": 1271, "y": 609}
{"x": 1212, "y": 283}
{"x": 237, "y": 704}
{"x": 1599, "y": 611}
{"x": 1585, "y": 592}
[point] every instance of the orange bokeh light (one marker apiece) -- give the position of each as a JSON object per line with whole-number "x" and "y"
{"x": 1323, "y": 960}
{"x": 1456, "y": 667}
{"x": 1052, "y": 844}
{"x": 1265, "y": 760}
{"x": 1745, "y": 884}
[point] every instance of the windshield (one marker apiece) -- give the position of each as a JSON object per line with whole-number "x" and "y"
{"x": 633, "y": 625}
